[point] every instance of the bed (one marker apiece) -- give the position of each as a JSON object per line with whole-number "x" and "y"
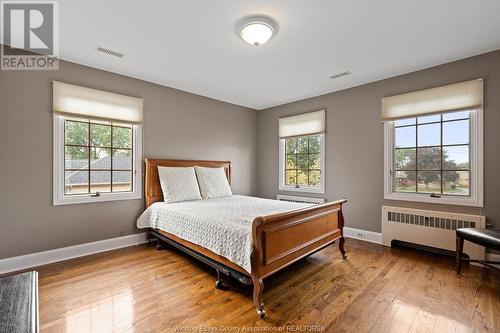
{"x": 245, "y": 237}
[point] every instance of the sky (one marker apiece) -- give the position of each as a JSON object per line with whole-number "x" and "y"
{"x": 454, "y": 132}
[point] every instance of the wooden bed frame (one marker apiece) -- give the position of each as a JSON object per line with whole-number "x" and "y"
{"x": 278, "y": 240}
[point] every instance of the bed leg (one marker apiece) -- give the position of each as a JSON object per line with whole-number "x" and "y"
{"x": 341, "y": 247}
{"x": 218, "y": 282}
{"x": 159, "y": 245}
{"x": 258, "y": 288}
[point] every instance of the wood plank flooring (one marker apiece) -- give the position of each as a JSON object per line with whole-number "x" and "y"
{"x": 376, "y": 289}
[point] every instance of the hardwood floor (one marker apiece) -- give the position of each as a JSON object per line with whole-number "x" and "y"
{"x": 375, "y": 289}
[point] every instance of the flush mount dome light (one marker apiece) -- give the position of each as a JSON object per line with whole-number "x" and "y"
{"x": 257, "y": 30}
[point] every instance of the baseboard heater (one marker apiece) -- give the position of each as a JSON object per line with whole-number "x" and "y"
{"x": 429, "y": 230}
{"x": 294, "y": 198}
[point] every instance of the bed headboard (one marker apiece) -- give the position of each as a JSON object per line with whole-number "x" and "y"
{"x": 152, "y": 187}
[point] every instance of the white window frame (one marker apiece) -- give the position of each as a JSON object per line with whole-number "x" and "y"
{"x": 305, "y": 189}
{"x": 476, "y": 197}
{"x": 58, "y": 170}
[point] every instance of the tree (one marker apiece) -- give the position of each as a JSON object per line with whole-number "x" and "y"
{"x": 77, "y": 133}
{"x": 303, "y": 160}
{"x": 429, "y": 158}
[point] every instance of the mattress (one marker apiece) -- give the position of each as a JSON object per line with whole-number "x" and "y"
{"x": 221, "y": 225}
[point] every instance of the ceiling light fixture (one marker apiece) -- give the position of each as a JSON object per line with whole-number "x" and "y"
{"x": 257, "y": 30}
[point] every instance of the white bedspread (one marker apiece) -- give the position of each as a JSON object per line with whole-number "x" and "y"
{"x": 222, "y": 225}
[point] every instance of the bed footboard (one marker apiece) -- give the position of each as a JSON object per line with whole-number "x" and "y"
{"x": 281, "y": 239}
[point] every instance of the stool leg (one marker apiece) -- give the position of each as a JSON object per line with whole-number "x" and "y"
{"x": 460, "y": 249}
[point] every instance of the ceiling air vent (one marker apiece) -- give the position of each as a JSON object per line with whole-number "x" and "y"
{"x": 110, "y": 52}
{"x": 336, "y": 76}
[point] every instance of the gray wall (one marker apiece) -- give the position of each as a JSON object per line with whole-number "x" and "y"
{"x": 355, "y": 143}
{"x": 183, "y": 125}
{"x": 177, "y": 125}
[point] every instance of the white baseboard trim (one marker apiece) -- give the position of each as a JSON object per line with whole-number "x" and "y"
{"x": 47, "y": 257}
{"x": 365, "y": 235}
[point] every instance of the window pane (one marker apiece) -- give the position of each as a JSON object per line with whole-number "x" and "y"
{"x": 314, "y": 161}
{"x": 405, "y": 181}
{"x": 290, "y": 177}
{"x": 291, "y": 161}
{"x": 314, "y": 144}
{"x": 122, "y": 181}
{"x": 122, "y": 159}
{"x": 429, "y": 158}
{"x": 100, "y": 158}
{"x": 429, "y": 181}
{"x": 456, "y": 115}
{"x": 441, "y": 156}
{"x": 76, "y": 182}
{"x": 456, "y": 132}
{"x": 100, "y": 181}
{"x": 76, "y": 157}
{"x": 302, "y": 145}
{"x": 76, "y": 133}
{"x": 314, "y": 178}
{"x": 456, "y": 182}
{"x": 404, "y": 122}
{"x": 429, "y": 135}
{"x": 122, "y": 137}
{"x": 429, "y": 119}
{"x": 291, "y": 145}
{"x": 404, "y": 159}
{"x": 302, "y": 178}
{"x": 405, "y": 137}
{"x": 100, "y": 135}
{"x": 303, "y": 162}
{"x": 456, "y": 157}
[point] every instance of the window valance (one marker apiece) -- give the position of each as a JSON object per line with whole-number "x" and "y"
{"x": 446, "y": 98}
{"x": 302, "y": 124}
{"x": 77, "y": 101}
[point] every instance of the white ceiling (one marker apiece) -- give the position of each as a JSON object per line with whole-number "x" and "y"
{"x": 191, "y": 44}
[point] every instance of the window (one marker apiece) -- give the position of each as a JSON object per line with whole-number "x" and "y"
{"x": 433, "y": 158}
{"x": 433, "y": 145}
{"x": 431, "y": 154}
{"x": 98, "y": 157}
{"x": 302, "y": 152}
{"x": 96, "y": 160}
{"x": 301, "y": 163}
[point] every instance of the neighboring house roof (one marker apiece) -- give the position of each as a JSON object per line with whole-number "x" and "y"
{"x": 76, "y": 164}
{"x": 79, "y": 177}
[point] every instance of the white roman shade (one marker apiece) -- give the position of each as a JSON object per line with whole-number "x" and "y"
{"x": 452, "y": 97}
{"x": 302, "y": 124}
{"x": 72, "y": 100}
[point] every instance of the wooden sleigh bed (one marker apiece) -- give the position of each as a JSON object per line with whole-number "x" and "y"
{"x": 278, "y": 240}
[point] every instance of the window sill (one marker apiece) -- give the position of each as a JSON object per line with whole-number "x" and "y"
{"x": 444, "y": 200}
{"x": 302, "y": 189}
{"x": 105, "y": 197}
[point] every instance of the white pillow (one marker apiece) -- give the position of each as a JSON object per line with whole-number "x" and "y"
{"x": 178, "y": 184}
{"x": 213, "y": 182}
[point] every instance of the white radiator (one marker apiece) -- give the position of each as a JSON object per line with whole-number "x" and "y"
{"x": 294, "y": 198}
{"x": 429, "y": 228}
